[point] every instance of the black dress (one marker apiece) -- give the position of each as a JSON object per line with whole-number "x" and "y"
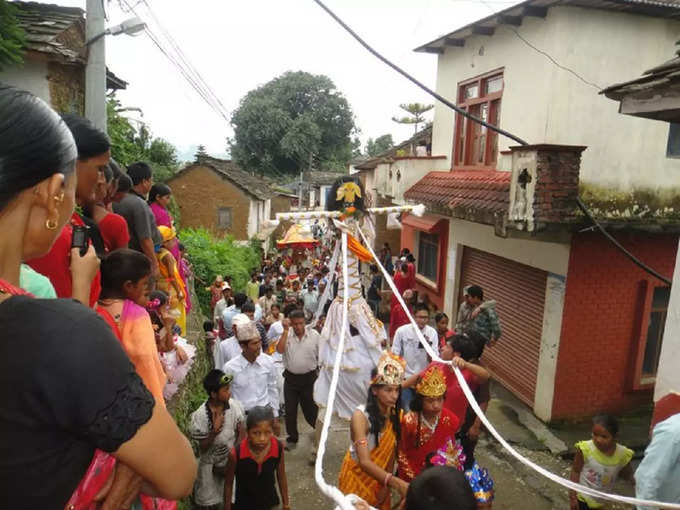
{"x": 66, "y": 389}
{"x": 255, "y": 483}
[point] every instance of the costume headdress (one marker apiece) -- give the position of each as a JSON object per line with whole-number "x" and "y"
{"x": 167, "y": 233}
{"x": 390, "y": 369}
{"x": 432, "y": 383}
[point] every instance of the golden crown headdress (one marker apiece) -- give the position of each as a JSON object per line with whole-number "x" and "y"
{"x": 390, "y": 369}
{"x": 432, "y": 383}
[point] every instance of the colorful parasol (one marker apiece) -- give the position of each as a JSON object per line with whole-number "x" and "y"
{"x": 297, "y": 237}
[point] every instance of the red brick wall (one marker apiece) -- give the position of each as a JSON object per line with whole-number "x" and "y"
{"x": 408, "y": 239}
{"x": 600, "y": 325}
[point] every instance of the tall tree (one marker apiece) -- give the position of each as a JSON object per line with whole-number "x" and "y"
{"x": 12, "y": 36}
{"x": 379, "y": 145}
{"x": 296, "y": 118}
{"x": 416, "y": 113}
{"x": 129, "y": 144}
{"x": 200, "y": 151}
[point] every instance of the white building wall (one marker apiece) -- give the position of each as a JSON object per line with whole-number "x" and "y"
{"x": 252, "y": 218}
{"x": 545, "y": 104}
{"x": 31, "y": 76}
{"x": 623, "y": 152}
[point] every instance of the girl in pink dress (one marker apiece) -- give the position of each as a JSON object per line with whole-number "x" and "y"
{"x": 159, "y": 200}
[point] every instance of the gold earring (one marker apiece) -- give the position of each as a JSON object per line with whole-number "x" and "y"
{"x": 50, "y": 224}
{"x": 59, "y": 198}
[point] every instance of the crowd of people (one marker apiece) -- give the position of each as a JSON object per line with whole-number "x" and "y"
{"x": 82, "y": 408}
{"x": 266, "y": 343}
{"x": 85, "y": 380}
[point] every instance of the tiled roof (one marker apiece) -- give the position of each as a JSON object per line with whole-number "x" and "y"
{"x": 259, "y": 188}
{"x": 44, "y": 24}
{"x": 466, "y": 194}
{"x": 669, "y": 9}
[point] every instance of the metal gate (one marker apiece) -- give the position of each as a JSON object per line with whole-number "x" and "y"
{"x": 519, "y": 292}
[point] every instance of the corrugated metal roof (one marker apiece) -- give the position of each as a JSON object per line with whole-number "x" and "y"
{"x": 513, "y": 15}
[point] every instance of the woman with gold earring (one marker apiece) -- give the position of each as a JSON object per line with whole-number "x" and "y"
{"x": 72, "y": 274}
{"x": 67, "y": 389}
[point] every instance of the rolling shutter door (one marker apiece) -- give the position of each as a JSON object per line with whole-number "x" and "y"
{"x": 519, "y": 292}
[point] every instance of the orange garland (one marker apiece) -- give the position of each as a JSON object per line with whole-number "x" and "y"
{"x": 358, "y": 249}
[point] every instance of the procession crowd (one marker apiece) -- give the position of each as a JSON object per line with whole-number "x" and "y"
{"x": 85, "y": 379}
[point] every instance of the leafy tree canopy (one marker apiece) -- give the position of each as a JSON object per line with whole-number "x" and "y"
{"x": 130, "y": 144}
{"x": 379, "y": 145}
{"x": 295, "y": 118}
{"x": 416, "y": 113}
{"x": 12, "y": 36}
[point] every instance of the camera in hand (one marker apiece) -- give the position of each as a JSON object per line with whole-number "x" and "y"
{"x": 80, "y": 239}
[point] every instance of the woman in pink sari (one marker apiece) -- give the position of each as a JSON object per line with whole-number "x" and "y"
{"x": 159, "y": 199}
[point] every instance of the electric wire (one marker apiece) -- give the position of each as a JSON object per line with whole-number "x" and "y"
{"x": 180, "y": 53}
{"x": 406, "y": 75}
{"x": 544, "y": 53}
{"x": 180, "y": 67}
{"x": 496, "y": 129}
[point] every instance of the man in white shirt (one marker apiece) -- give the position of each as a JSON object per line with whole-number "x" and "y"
{"x": 230, "y": 348}
{"x": 267, "y": 300}
{"x": 220, "y": 307}
{"x": 300, "y": 350}
{"x": 254, "y": 374}
{"x": 310, "y": 297}
{"x": 228, "y": 314}
{"x": 407, "y": 345}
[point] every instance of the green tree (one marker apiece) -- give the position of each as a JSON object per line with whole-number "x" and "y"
{"x": 200, "y": 151}
{"x": 12, "y": 36}
{"x": 379, "y": 145}
{"x": 130, "y": 144}
{"x": 280, "y": 127}
{"x": 416, "y": 113}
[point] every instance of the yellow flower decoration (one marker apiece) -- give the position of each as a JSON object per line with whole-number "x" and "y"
{"x": 349, "y": 191}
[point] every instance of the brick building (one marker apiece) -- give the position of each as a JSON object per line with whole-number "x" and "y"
{"x": 215, "y": 194}
{"x": 582, "y": 324}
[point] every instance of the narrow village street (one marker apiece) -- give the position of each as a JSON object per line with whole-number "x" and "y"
{"x": 517, "y": 486}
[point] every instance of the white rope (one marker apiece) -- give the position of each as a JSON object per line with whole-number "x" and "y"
{"x": 473, "y": 403}
{"x": 418, "y": 210}
{"x": 329, "y": 285}
{"x": 330, "y": 490}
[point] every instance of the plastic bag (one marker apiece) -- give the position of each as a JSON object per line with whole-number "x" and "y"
{"x": 96, "y": 476}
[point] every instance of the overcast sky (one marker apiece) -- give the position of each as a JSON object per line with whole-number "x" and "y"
{"x": 239, "y": 44}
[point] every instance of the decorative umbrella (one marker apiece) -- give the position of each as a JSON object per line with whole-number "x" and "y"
{"x": 298, "y": 238}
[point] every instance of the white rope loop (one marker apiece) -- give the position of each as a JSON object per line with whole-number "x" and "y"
{"x": 473, "y": 403}
{"x": 329, "y": 285}
{"x": 329, "y": 490}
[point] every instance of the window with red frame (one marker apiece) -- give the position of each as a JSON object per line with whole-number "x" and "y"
{"x": 475, "y": 145}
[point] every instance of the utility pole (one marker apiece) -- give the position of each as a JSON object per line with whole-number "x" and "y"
{"x": 95, "y": 71}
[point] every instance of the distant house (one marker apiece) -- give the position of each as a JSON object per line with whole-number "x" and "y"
{"x": 581, "y": 322}
{"x": 216, "y": 194}
{"x": 387, "y": 175}
{"x": 55, "y": 56}
{"x": 315, "y": 186}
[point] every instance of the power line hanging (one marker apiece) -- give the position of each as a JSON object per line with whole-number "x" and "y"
{"x": 496, "y": 129}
